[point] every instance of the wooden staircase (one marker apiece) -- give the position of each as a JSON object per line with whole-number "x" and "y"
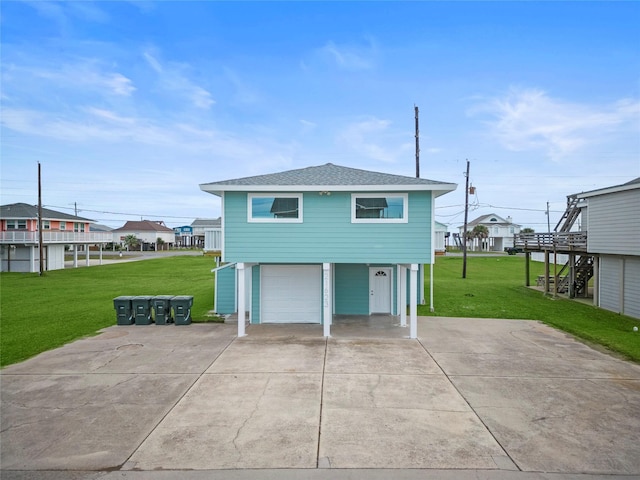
{"x": 583, "y": 273}
{"x": 569, "y": 216}
{"x": 456, "y": 239}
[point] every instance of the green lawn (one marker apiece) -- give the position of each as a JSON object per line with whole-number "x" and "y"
{"x": 41, "y": 313}
{"x": 494, "y": 288}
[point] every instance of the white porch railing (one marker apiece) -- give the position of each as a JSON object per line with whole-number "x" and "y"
{"x": 212, "y": 239}
{"x": 23, "y": 237}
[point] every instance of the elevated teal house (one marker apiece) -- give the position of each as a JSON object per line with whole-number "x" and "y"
{"x": 303, "y": 245}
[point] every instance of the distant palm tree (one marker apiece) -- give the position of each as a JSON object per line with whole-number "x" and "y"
{"x": 160, "y": 243}
{"x": 132, "y": 242}
{"x": 480, "y": 232}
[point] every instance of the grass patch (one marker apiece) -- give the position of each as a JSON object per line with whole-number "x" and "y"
{"x": 41, "y": 313}
{"x": 494, "y": 288}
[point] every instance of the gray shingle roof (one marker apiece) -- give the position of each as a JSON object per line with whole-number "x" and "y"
{"x": 323, "y": 175}
{"x": 143, "y": 226}
{"x": 26, "y": 211}
{"x": 206, "y": 222}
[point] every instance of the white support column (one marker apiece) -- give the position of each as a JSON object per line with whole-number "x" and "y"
{"x": 87, "y": 258}
{"x": 403, "y": 295}
{"x": 327, "y": 302}
{"x": 75, "y": 256}
{"x": 413, "y": 299}
{"x": 100, "y": 247}
{"x": 431, "y": 306}
{"x": 32, "y": 259}
{"x": 240, "y": 290}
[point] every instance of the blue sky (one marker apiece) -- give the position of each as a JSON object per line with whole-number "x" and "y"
{"x": 129, "y": 106}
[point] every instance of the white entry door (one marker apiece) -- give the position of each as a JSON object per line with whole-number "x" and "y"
{"x": 380, "y": 290}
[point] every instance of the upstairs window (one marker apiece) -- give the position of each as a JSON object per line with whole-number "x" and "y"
{"x": 281, "y": 207}
{"x": 78, "y": 227}
{"x": 16, "y": 224}
{"x": 379, "y": 208}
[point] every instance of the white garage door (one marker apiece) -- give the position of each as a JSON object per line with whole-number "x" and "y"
{"x": 291, "y": 293}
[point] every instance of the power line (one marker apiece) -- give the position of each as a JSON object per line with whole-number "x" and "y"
{"x": 119, "y": 213}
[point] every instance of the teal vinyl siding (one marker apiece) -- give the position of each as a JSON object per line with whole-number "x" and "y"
{"x": 255, "y": 294}
{"x": 351, "y": 287}
{"x": 225, "y": 291}
{"x": 327, "y": 234}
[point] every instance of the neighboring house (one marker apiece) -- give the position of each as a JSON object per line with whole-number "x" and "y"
{"x": 501, "y": 232}
{"x": 20, "y": 239}
{"x": 440, "y": 238}
{"x": 305, "y": 244}
{"x": 208, "y": 233}
{"x": 147, "y": 232}
{"x": 204, "y": 233}
{"x": 605, "y": 248}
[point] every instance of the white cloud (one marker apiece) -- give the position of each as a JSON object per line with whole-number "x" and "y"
{"x": 86, "y": 74}
{"x": 172, "y": 77}
{"x": 529, "y": 119}
{"x": 350, "y": 57}
{"x": 373, "y": 138}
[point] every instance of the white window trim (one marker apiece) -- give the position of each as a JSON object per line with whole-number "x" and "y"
{"x": 405, "y": 208}
{"x": 251, "y": 219}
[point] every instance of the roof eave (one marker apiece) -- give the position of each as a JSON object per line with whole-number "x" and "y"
{"x": 440, "y": 188}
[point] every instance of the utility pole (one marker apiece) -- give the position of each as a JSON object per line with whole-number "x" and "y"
{"x": 548, "y": 220}
{"x": 40, "y": 242}
{"x": 417, "y": 144}
{"x": 464, "y": 232}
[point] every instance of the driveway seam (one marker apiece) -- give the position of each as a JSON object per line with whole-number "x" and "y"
{"x": 470, "y": 406}
{"x": 172, "y": 407}
{"x": 324, "y": 365}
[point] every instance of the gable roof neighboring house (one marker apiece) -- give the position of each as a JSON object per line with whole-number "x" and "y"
{"x": 146, "y": 230}
{"x": 501, "y": 232}
{"x": 330, "y": 177}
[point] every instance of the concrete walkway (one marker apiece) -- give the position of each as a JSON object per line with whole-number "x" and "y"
{"x": 471, "y": 398}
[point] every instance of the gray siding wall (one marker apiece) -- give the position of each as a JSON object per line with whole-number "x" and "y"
{"x": 620, "y": 285}
{"x": 610, "y": 271}
{"x": 632, "y": 287}
{"x": 614, "y": 223}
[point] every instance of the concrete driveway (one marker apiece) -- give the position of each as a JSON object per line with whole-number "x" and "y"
{"x": 471, "y": 398}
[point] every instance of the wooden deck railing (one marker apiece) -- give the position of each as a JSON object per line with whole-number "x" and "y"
{"x": 560, "y": 241}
